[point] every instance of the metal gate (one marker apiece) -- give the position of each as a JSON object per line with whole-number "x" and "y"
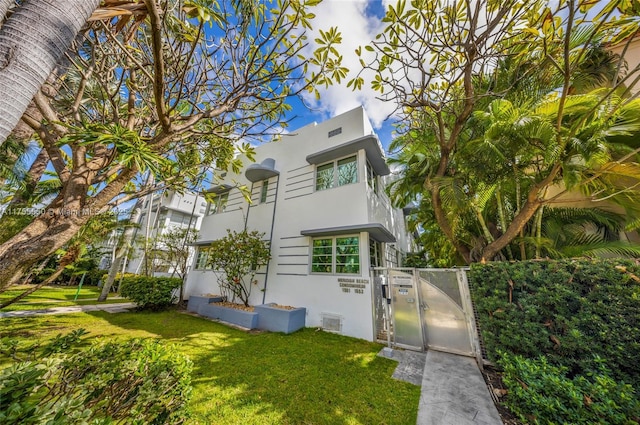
{"x": 425, "y": 308}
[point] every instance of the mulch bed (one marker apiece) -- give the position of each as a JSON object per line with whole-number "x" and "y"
{"x": 494, "y": 382}
{"x": 234, "y": 305}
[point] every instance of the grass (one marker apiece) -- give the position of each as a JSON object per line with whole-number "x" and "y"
{"x": 308, "y": 377}
{"x": 55, "y": 296}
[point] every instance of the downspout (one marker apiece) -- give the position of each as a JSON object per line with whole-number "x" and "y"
{"x": 273, "y": 220}
{"x": 246, "y": 217}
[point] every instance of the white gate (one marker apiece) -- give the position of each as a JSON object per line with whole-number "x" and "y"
{"x": 425, "y": 309}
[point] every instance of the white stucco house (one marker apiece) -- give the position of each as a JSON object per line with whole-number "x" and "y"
{"x": 318, "y": 196}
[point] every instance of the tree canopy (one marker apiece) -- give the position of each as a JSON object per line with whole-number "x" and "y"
{"x": 506, "y": 107}
{"x": 164, "y": 89}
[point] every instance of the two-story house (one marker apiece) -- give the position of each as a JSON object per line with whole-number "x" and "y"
{"x": 318, "y": 196}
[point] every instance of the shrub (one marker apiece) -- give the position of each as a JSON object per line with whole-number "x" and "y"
{"x": 571, "y": 311}
{"x": 152, "y": 293}
{"x": 238, "y": 256}
{"x": 541, "y": 393}
{"x": 136, "y": 382}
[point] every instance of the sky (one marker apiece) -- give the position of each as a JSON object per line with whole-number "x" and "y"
{"x": 358, "y": 21}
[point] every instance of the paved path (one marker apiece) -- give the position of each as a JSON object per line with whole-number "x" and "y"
{"x": 453, "y": 389}
{"x": 111, "y": 308}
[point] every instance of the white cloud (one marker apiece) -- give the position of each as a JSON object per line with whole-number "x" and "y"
{"x": 358, "y": 25}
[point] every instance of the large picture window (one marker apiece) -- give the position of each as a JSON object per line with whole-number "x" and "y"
{"x": 337, "y": 173}
{"x": 336, "y": 255}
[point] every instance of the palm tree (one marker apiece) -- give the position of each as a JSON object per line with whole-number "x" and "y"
{"x": 32, "y": 41}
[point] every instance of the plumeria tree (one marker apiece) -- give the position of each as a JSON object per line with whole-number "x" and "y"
{"x": 236, "y": 259}
{"x": 506, "y": 106}
{"x": 163, "y": 89}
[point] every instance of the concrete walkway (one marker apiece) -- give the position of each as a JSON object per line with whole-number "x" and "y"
{"x": 110, "y": 308}
{"x": 453, "y": 389}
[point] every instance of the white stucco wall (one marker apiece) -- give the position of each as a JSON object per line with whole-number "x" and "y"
{"x": 300, "y": 207}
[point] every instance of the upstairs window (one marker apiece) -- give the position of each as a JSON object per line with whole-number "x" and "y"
{"x": 219, "y": 203}
{"x": 264, "y": 191}
{"x": 337, "y": 173}
{"x": 372, "y": 179}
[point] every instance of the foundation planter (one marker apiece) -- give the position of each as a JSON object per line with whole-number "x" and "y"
{"x": 275, "y": 319}
{"x": 245, "y": 319}
{"x": 195, "y": 302}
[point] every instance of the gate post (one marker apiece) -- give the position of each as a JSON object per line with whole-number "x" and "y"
{"x": 465, "y": 293}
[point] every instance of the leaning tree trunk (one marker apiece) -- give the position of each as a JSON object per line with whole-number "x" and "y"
{"x": 41, "y": 238}
{"x": 121, "y": 251}
{"x": 32, "y": 41}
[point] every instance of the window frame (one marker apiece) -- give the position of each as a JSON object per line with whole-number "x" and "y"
{"x": 219, "y": 204}
{"x": 264, "y": 191}
{"x": 335, "y": 255}
{"x": 334, "y": 166}
{"x": 202, "y": 257}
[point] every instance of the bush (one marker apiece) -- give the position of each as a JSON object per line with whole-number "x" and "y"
{"x": 152, "y": 293}
{"x": 571, "y": 311}
{"x": 135, "y": 382}
{"x": 541, "y": 393}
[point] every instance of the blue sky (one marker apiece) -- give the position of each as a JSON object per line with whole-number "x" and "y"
{"x": 358, "y": 21}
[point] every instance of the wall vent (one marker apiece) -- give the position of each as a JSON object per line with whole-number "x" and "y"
{"x": 335, "y": 132}
{"x": 331, "y": 322}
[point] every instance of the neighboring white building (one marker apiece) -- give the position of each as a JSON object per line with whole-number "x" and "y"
{"x": 162, "y": 212}
{"x": 318, "y": 195}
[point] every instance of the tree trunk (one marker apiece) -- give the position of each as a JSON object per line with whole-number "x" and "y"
{"x": 443, "y": 222}
{"x": 37, "y": 169}
{"x": 41, "y": 238}
{"x": 29, "y": 291}
{"x": 517, "y": 224}
{"x": 121, "y": 251}
{"x": 32, "y": 41}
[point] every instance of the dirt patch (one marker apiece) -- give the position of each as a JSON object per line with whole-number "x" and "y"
{"x": 234, "y": 305}
{"x": 493, "y": 378}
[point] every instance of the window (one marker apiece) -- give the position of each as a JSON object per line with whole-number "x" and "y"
{"x": 340, "y": 255}
{"x": 337, "y": 173}
{"x": 264, "y": 191}
{"x": 201, "y": 258}
{"x": 372, "y": 179}
{"x": 218, "y": 204}
{"x": 375, "y": 253}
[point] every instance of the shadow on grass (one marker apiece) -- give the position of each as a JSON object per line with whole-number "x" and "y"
{"x": 307, "y": 377}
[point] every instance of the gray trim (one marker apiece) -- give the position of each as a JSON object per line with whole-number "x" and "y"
{"x": 369, "y": 143}
{"x": 263, "y": 171}
{"x": 221, "y": 188}
{"x": 376, "y": 230}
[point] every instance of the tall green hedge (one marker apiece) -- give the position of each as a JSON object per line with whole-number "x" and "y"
{"x": 581, "y": 317}
{"x": 150, "y": 293}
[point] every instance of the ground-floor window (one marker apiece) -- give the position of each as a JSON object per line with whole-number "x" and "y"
{"x": 336, "y": 255}
{"x": 202, "y": 258}
{"x": 375, "y": 253}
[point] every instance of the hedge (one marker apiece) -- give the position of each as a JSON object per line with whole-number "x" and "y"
{"x": 151, "y": 293}
{"x": 567, "y": 323}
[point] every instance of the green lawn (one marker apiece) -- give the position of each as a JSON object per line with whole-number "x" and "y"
{"x": 309, "y": 377}
{"x": 55, "y": 296}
